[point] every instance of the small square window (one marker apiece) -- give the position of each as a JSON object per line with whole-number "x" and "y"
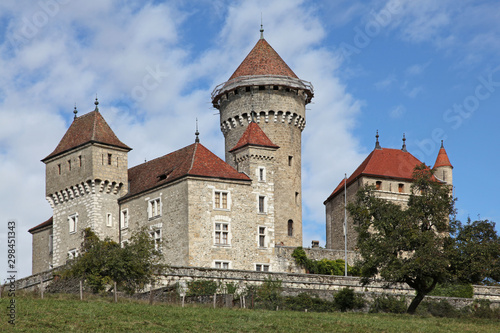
{"x": 221, "y": 264}
{"x": 154, "y": 208}
{"x": 262, "y": 236}
{"x": 261, "y": 268}
{"x": 221, "y": 200}
{"x": 110, "y": 156}
{"x": 156, "y": 237}
{"x": 262, "y": 204}
{"x": 221, "y": 233}
{"x": 401, "y": 188}
{"x": 73, "y": 223}
{"x": 124, "y": 219}
{"x": 109, "y": 220}
{"x": 378, "y": 185}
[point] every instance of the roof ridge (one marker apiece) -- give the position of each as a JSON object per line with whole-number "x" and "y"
{"x": 192, "y": 159}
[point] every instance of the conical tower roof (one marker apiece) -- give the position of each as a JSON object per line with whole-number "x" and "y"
{"x": 263, "y": 60}
{"x": 442, "y": 158}
{"x": 90, "y": 127}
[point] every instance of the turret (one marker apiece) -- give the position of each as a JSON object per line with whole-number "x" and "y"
{"x": 263, "y": 89}
{"x": 85, "y": 175}
{"x": 443, "y": 169}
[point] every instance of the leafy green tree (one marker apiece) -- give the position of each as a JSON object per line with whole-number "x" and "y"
{"x": 406, "y": 244}
{"x": 477, "y": 252}
{"x": 103, "y": 261}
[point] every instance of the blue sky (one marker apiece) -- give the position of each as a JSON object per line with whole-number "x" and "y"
{"x": 424, "y": 68}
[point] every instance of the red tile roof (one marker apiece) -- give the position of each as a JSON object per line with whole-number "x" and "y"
{"x": 42, "y": 225}
{"x": 254, "y": 136}
{"x": 382, "y": 163}
{"x": 263, "y": 60}
{"x": 442, "y": 159}
{"x": 193, "y": 160}
{"x": 90, "y": 127}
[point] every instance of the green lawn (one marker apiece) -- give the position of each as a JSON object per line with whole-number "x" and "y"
{"x": 101, "y": 315}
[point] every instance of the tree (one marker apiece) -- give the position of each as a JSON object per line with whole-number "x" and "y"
{"x": 408, "y": 244}
{"x": 103, "y": 261}
{"x": 477, "y": 252}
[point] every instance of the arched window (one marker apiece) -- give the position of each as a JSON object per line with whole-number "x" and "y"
{"x": 290, "y": 228}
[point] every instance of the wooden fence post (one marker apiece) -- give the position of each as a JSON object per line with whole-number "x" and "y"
{"x": 81, "y": 290}
{"x": 41, "y": 287}
{"x": 114, "y": 291}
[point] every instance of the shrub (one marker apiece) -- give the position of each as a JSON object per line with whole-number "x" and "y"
{"x": 453, "y": 290}
{"x": 201, "y": 287}
{"x": 441, "y": 308}
{"x": 323, "y": 266}
{"x": 482, "y": 309}
{"x": 388, "y": 303}
{"x": 269, "y": 294}
{"x": 346, "y": 299}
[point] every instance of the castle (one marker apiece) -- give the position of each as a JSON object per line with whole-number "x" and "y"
{"x": 207, "y": 212}
{"x": 202, "y": 211}
{"x": 390, "y": 171}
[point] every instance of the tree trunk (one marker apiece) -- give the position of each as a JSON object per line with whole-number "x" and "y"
{"x": 415, "y": 302}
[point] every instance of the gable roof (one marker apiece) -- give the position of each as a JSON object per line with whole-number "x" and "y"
{"x": 193, "y": 160}
{"x": 263, "y": 60}
{"x": 442, "y": 159}
{"x": 254, "y": 136}
{"x": 382, "y": 163}
{"x": 90, "y": 127}
{"x": 47, "y": 223}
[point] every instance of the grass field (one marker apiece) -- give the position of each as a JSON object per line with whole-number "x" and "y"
{"x": 67, "y": 314}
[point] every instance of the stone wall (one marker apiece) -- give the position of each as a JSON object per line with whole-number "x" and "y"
{"x": 280, "y": 113}
{"x": 42, "y": 254}
{"x": 293, "y": 283}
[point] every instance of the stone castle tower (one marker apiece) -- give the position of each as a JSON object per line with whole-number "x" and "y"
{"x": 264, "y": 90}
{"x": 85, "y": 176}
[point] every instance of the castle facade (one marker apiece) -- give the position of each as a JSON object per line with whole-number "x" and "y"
{"x": 199, "y": 210}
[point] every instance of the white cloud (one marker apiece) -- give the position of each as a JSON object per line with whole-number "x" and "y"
{"x": 397, "y": 112}
{"x": 386, "y": 83}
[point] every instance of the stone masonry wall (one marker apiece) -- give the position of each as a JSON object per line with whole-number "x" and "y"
{"x": 42, "y": 256}
{"x": 281, "y": 115}
{"x": 389, "y": 190}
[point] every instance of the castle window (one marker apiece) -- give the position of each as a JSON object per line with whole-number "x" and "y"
{"x": 221, "y": 264}
{"x": 73, "y": 222}
{"x": 80, "y": 160}
{"x": 262, "y": 174}
{"x": 73, "y": 253}
{"x": 262, "y": 268}
{"x": 51, "y": 243}
{"x": 124, "y": 219}
{"x": 109, "y": 220}
{"x": 444, "y": 175}
{"x": 378, "y": 185}
{"x": 275, "y": 87}
{"x": 59, "y": 168}
{"x": 221, "y": 236}
{"x": 236, "y": 91}
{"x": 109, "y": 159}
{"x": 262, "y": 236}
{"x": 247, "y": 89}
{"x": 221, "y": 200}
{"x": 262, "y": 204}
{"x": 401, "y": 188}
{"x": 290, "y": 227}
{"x": 262, "y": 87}
{"x": 296, "y": 198}
{"x": 69, "y": 165}
{"x": 156, "y": 237}
{"x": 290, "y": 159}
{"x": 154, "y": 208}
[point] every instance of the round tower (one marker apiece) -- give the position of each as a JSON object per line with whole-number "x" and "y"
{"x": 263, "y": 89}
